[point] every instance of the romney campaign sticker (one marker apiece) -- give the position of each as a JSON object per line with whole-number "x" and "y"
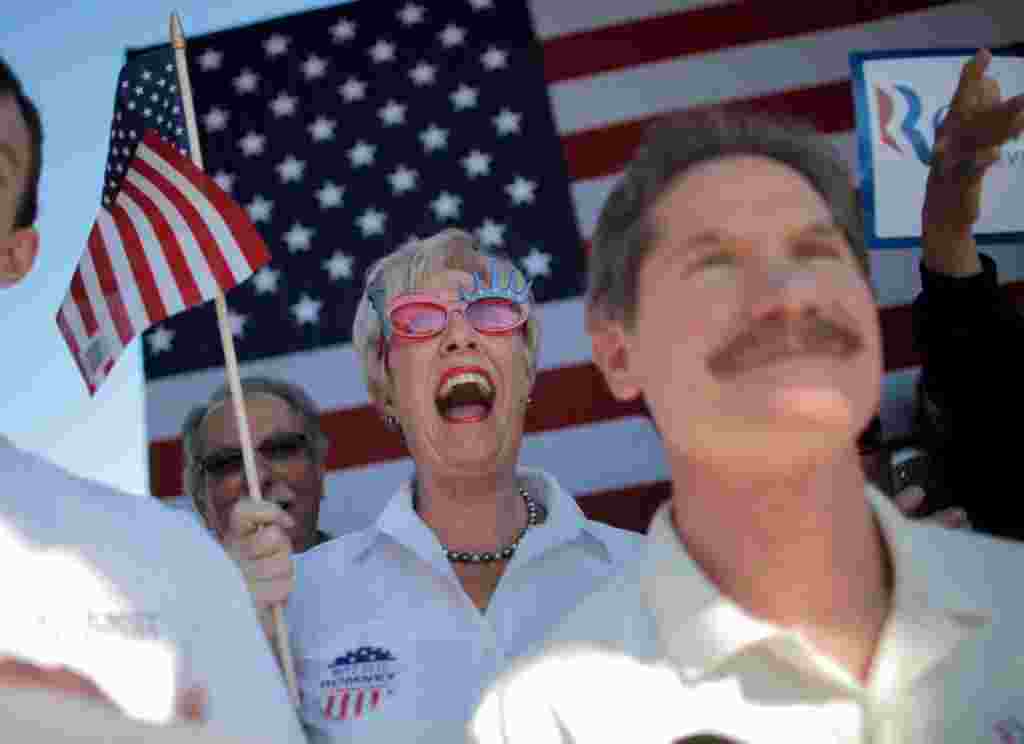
{"x": 358, "y": 683}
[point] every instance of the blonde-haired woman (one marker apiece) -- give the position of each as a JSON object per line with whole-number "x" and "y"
{"x": 399, "y": 627}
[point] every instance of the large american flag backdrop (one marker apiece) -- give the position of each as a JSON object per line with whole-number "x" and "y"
{"x": 344, "y": 131}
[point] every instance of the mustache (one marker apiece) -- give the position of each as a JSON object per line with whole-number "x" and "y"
{"x": 780, "y": 335}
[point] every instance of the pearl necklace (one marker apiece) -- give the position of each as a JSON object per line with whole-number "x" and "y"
{"x": 533, "y": 511}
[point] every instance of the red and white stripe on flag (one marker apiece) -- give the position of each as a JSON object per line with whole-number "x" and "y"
{"x": 171, "y": 239}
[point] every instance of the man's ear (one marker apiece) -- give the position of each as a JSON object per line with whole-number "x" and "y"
{"x": 612, "y": 354}
{"x": 17, "y": 254}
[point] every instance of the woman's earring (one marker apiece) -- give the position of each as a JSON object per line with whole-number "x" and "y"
{"x": 391, "y": 422}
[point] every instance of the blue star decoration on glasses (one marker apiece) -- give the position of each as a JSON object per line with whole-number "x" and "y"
{"x": 508, "y": 284}
{"x": 515, "y": 287}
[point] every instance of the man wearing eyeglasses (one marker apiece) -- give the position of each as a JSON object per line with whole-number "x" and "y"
{"x": 290, "y": 451}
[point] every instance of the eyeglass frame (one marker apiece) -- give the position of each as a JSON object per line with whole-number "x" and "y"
{"x": 301, "y": 442}
{"x": 459, "y": 306}
{"x": 515, "y": 289}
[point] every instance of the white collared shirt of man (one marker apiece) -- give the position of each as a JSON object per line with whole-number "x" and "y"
{"x": 659, "y": 654}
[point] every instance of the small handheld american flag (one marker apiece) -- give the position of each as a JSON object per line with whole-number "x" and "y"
{"x": 167, "y": 237}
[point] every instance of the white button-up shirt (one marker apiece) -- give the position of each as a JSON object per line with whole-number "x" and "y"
{"x": 659, "y": 654}
{"x": 388, "y": 645}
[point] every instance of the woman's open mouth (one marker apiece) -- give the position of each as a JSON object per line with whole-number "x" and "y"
{"x": 465, "y": 395}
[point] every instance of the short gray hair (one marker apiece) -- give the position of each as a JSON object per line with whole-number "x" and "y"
{"x": 625, "y": 234}
{"x": 194, "y": 445}
{"x": 404, "y": 270}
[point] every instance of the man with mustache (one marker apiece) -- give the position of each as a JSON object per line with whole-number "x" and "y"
{"x": 779, "y": 336}
{"x": 779, "y": 594}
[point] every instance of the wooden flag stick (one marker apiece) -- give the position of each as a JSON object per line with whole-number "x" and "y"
{"x": 230, "y": 360}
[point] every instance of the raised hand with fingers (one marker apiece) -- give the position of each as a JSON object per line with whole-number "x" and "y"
{"x": 967, "y": 144}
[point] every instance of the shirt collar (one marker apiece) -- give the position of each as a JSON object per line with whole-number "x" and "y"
{"x": 919, "y": 582}
{"x": 700, "y": 629}
{"x": 931, "y": 612}
{"x": 565, "y": 522}
{"x": 697, "y": 626}
{"x": 400, "y": 522}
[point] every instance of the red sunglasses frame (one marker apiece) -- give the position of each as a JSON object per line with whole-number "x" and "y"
{"x": 410, "y": 298}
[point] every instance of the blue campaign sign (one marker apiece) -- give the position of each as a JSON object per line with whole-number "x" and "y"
{"x": 901, "y": 99}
